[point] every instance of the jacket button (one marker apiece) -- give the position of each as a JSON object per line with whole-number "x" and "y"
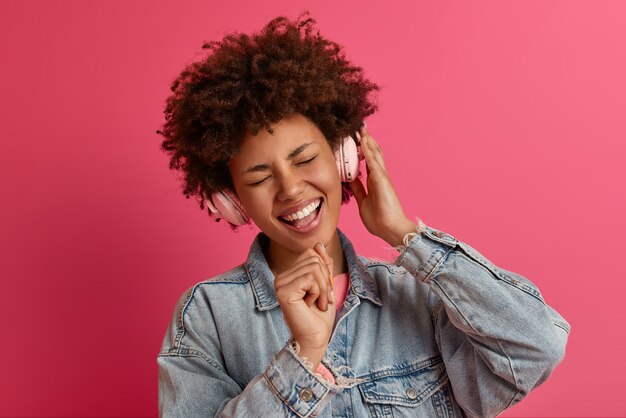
{"x": 411, "y": 393}
{"x": 305, "y": 394}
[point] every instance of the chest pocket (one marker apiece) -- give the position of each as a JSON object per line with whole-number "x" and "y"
{"x": 406, "y": 391}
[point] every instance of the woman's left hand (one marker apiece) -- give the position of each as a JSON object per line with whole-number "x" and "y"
{"x": 379, "y": 207}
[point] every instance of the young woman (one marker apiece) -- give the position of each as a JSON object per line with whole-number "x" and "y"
{"x": 305, "y": 327}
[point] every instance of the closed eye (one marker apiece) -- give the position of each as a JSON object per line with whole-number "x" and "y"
{"x": 307, "y": 161}
{"x": 300, "y": 163}
{"x": 257, "y": 183}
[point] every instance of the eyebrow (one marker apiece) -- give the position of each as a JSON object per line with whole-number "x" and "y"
{"x": 293, "y": 154}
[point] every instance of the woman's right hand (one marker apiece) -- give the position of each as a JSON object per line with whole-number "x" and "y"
{"x": 307, "y": 300}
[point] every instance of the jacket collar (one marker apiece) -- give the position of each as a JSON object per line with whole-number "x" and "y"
{"x": 362, "y": 284}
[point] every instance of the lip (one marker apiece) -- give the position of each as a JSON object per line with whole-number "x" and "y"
{"x": 299, "y": 206}
{"x": 310, "y": 227}
{"x": 313, "y": 225}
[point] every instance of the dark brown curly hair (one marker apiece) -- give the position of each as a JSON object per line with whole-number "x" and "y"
{"x": 246, "y": 83}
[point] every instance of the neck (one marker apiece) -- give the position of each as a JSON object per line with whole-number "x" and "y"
{"x": 281, "y": 259}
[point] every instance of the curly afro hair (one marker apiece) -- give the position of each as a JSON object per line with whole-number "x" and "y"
{"x": 244, "y": 84}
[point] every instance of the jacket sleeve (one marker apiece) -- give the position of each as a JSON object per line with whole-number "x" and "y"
{"x": 497, "y": 336}
{"x": 194, "y": 382}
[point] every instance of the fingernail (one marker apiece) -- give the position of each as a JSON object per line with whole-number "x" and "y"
{"x": 321, "y": 245}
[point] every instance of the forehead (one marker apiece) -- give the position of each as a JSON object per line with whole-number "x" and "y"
{"x": 288, "y": 134}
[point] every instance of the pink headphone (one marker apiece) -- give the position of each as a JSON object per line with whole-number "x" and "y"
{"x": 224, "y": 204}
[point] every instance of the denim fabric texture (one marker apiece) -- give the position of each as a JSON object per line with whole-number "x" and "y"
{"x": 443, "y": 332}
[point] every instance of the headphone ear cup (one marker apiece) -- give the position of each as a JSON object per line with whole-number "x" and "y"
{"x": 347, "y": 158}
{"x": 226, "y": 205}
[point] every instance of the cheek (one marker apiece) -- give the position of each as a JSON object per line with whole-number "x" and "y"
{"x": 329, "y": 179}
{"x": 255, "y": 202}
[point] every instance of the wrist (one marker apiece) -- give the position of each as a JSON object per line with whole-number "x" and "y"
{"x": 395, "y": 234}
{"x": 312, "y": 356}
{"x": 409, "y": 236}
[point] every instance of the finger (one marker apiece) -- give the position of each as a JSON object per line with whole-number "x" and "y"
{"x": 363, "y": 131}
{"x": 304, "y": 258}
{"x": 358, "y": 190}
{"x": 371, "y": 143}
{"x": 312, "y": 268}
{"x": 319, "y": 272}
{"x": 305, "y": 287}
{"x": 375, "y": 150}
{"x": 373, "y": 161}
{"x": 313, "y": 257}
{"x": 320, "y": 248}
{"x": 313, "y": 291}
{"x": 312, "y": 295}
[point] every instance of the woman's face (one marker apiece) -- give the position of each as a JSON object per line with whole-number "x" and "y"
{"x": 289, "y": 184}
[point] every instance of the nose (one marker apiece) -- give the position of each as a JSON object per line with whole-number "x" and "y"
{"x": 290, "y": 186}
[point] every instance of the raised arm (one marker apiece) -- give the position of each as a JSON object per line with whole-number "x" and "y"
{"x": 497, "y": 336}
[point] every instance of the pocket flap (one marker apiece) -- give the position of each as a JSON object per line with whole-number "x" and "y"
{"x": 408, "y": 385}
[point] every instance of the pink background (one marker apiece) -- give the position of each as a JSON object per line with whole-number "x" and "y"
{"x": 502, "y": 123}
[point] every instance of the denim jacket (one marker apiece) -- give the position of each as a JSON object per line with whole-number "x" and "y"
{"x": 443, "y": 332}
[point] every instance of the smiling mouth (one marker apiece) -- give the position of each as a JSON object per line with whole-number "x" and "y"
{"x": 303, "y": 217}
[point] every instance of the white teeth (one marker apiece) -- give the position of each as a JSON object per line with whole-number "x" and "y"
{"x": 304, "y": 212}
